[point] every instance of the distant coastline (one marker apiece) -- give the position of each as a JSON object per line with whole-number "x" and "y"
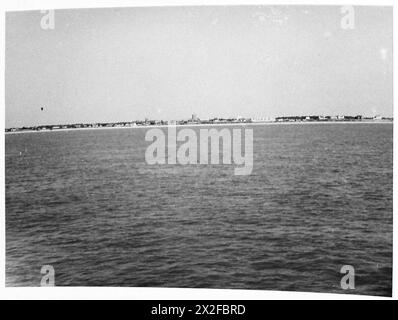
{"x": 109, "y": 126}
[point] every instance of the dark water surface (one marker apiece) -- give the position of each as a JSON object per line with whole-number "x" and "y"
{"x": 319, "y": 197}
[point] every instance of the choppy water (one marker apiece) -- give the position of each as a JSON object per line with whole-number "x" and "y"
{"x": 319, "y": 197}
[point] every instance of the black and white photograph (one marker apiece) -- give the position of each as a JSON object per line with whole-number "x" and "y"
{"x": 243, "y": 147}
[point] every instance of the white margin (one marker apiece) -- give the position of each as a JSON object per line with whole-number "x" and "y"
{"x": 165, "y": 293}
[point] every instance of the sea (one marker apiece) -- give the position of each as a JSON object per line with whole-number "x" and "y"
{"x": 320, "y": 197}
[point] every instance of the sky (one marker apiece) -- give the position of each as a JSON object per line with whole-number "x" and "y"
{"x": 124, "y": 64}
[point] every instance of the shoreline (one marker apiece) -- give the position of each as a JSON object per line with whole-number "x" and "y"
{"x": 208, "y": 125}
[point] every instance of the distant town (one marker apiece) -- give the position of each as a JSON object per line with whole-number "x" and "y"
{"x": 194, "y": 120}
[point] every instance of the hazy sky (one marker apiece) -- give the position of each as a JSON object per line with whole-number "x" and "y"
{"x": 103, "y": 65}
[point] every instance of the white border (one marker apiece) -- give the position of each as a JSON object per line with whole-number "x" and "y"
{"x": 162, "y": 293}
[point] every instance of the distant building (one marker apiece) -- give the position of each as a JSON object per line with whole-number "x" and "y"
{"x": 264, "y": 119}
{"x": 194, "y": 119}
